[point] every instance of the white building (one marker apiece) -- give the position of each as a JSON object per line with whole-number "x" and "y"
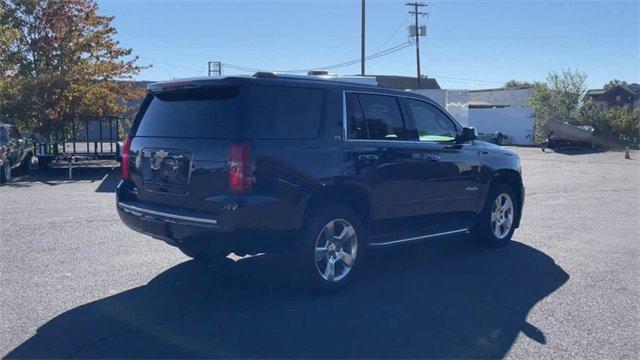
{"x": 490, "y": 111}
{"x": 455, "y": 101}
{"x": 504, "y": 111}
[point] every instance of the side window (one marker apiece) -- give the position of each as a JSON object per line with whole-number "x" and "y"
{"x": 356, "y": 126}
{"x": 383, "y": 119}
{"x": 275, "y": 112}
{"x": 431, "y": 123}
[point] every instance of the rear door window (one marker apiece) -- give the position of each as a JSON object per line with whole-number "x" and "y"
{"x": 274, "y": 112}
{"x": 376, "y": 117}
{"x": 356, "y": 126}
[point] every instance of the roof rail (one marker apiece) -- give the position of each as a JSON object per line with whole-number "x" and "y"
{"x": 267, "y": 74}
{"x": 322, "y": 76}
{"x": 318, "y": 72}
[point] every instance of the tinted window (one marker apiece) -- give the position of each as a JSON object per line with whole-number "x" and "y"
{"x": 431, "y": 123}
{"x": 382, "y": 117}
{"x": 3, "y": 134}
{"x": 255, "y": 112}
{"x": 282, "y": 112}
{"x": 356, "y": 126}
{"x": 208, "y": 113}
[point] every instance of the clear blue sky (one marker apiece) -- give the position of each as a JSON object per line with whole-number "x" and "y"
{"x": 470, "y": 44}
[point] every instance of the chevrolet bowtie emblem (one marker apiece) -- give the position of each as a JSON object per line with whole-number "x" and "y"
{"x": 160, "y": 154}
{"x": 157, "y": 159}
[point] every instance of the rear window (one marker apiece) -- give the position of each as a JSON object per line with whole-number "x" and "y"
{"x": 191, "y": 113}
{"x": 254, "y": 112}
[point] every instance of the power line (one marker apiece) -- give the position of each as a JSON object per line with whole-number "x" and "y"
{"x": 525, "y": 37}
{"x": 335, "y": 66}
{"x": 385, "y": 52}
{"x": 395, "y": 32}
{"x": 347, "y": 63}
{"x": 169, "y": 64}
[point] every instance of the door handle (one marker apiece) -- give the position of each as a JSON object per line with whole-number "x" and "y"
{"x": 368, "y": 157}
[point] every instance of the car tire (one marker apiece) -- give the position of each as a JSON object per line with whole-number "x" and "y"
{"x": 208, "y": 257}
{"x": 331, "y": 247}
{"x": 496, "y": 223}
{"x": 5, "y": 175}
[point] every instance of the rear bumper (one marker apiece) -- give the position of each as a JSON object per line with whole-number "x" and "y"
{"x": 164, "y": 224}
{"x": 258, "y": 227}
{"x": 142, "y": 211}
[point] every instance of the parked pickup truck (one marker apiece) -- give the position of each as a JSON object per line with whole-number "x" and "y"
{"x": 317, "y": 169}
{"x": 15, "y": 151}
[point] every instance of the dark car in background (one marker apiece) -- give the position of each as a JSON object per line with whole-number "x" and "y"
{"x": 318, "y": 169}
{"x": 15, "y": 151}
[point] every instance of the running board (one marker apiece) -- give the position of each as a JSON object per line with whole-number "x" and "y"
{"x": 417, "y": 238}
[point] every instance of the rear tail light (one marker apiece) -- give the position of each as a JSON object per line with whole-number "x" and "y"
{"x": 240, "y": 168}
{"x": 124, "y": 162}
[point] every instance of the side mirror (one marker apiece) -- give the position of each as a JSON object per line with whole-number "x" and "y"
{"x": 468, "y": 134}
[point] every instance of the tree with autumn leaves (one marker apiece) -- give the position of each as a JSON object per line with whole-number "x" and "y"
{"x": 59, "y": 61}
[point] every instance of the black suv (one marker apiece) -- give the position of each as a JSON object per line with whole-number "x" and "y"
{"x": 320, "y": 168}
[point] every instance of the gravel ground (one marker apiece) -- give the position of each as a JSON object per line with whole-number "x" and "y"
{"x": 75, "y": 282}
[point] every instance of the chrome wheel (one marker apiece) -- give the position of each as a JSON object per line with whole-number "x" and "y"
{"x": 502, "y": 216}
{"x": 336, "y": 250}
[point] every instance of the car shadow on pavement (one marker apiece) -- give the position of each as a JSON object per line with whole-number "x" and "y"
{"x": 107, "y": 177}
{"x": 442, "y": 299}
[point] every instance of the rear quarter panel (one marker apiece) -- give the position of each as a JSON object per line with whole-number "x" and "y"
{"x": 293, "y": 171}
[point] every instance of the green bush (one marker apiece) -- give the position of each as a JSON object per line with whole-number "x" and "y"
{"x": 562, "y": 98}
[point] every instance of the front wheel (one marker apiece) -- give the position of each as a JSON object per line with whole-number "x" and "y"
{"x": 331, "y": 248}
{"x": 496, "y": 223}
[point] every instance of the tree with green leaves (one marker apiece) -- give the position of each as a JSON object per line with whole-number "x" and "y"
{"x": 618, "y": 122}
{"x": 59, "y": 61}
{"x": 515, "y": 84}
{"x": 615, "y": 82}
{"x": 558, "y": 98}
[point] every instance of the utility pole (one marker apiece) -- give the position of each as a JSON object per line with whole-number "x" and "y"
{"x": 362, "y": 40}
{"x": 419, "y": 31}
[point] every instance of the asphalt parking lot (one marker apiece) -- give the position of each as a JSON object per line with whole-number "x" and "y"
{"x": 75, "y": 282}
